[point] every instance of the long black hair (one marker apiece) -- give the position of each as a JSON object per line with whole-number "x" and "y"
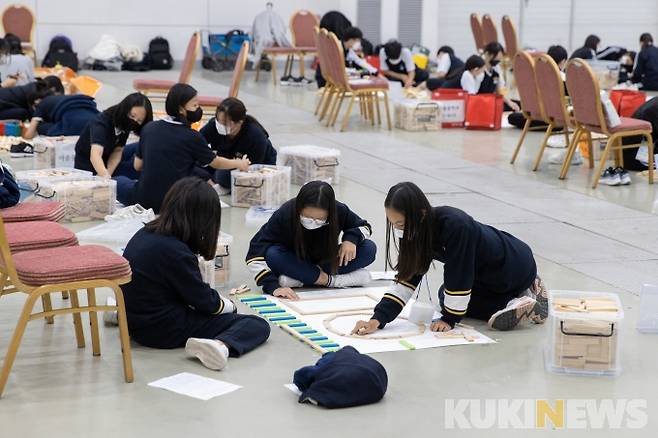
{"x": 191, "y": 212}
{"x": 318, "y": 194}
{"x": 335, "y": 22}
{"x": 15, "y": 47}
{"x": 119, "y": 113}
{"x": 415, "y": 247}
{"x": 592, "y": 41}
{"x": 235, "y": 110}
{"x": 179, "y": 95}
{"x": 55, "y": 84}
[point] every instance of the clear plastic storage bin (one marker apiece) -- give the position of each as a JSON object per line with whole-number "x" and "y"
{"x": 85, "y": 200}
{"x": 417, "y": 115}
{"x": 584, "y": 333}
{"x": 261, "y": 185}
{"x": 52, "y": 152}
{"x": 647, "y": 322}
{"x": 607, "y": 73}
{"x": 216, "y": 272}
{"x": 33, "y": 179}
{"x": 310, "y": 163}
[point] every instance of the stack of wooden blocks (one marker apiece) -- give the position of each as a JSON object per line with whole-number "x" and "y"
{"x": 417, "y": 115}
{"x": 261, "y": 185}
{"x": 85, "y": 200}
{"x": 310, "y": 163}
{"x": 585, "y": 334}
{"x": 54, "y": 152}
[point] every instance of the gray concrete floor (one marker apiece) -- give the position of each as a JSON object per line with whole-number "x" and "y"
{"x": 599, "y": 240}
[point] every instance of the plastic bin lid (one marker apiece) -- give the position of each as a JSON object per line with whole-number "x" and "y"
{"x": 310, "y": 150}
{"x": 594, "y": 315}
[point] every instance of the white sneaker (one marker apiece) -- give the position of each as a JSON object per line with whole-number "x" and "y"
{"x": 610, "y": 177}
{"x": 360, "y": 277}
{"x": 111, "y": 318}
{"x": 556, "y": 141}
{"x": 558, "y": 158}
{"x": 221, "y": 191}
{"x": 518, "y": 310}
{"x": 285, "y": 281}
{"x": 624, "y": 176}
{"x": 212, "y": 353}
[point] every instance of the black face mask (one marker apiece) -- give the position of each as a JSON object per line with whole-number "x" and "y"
{"x": 194, "y": 116}
{"x": 134, "y": 126}
{"x": 494, "y": 62}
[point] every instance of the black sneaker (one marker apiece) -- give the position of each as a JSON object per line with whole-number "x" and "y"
{"x": 22, "y": 150}
{"x": 610, "y": 177}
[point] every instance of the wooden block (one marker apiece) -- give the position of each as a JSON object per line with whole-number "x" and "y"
{"x": 592, "y": 366}
{"x": 572, "y": 362}
{"x": 572, "y": 349}
{"x": 581, "y": 340}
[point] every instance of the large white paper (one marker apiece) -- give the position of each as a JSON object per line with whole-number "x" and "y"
{"x": 194, "y": 385}
{"x": 292, "y": 387}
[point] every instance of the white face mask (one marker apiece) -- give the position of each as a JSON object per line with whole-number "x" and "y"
{"x": 395, "y": 61}
{"x": 221, "y": 129}
{"x": 311, "y": 224}
{"x": 357, "y": 46}
{"x": 398, "y": 233}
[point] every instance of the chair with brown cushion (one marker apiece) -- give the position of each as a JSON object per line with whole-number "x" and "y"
{"x": 19, "y": 20}
{"x": 553, "y": 99}
{"x": 44, "y": 271}
{"x": 302, "y": 25}
{"x": 31, "y": 235}
{"x": 34, "y": 211}
{"x": 510, "y": 37}
{"x": 489, "y": 30}
{"x": 160, "y": 87}
{"x": 210, "y": 103}
{"x": 531, "y": 105}
{"x": 476, "y": 28}
{"x": 367, "y": 91}
{"x": 588, "y": 115}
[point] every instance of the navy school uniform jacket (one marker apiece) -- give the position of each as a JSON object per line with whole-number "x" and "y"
{"x": 166, "y": 291}
{"x": 99, "y": 131}
{"x": 65, "y": 115}
{"x": 17, "y": 97}
{"x": 171, "y": 151}
{"x": 646, "y": 68}
{"x": 279, "y": 230}
{"x": 478, "y": 259}
{"x": 252, "y": 141}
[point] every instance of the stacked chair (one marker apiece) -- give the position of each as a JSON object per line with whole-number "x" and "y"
{"x": 339, "y": 86}
{"x": 39, "y": 257}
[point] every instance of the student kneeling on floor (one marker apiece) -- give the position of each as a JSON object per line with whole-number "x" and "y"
{"x": 488, "y": 274}
{"x": 299, "y": 246}
{"x": 397, "y": 64}
{"x": 167, "y": 302}
{"x": 234, "y": 134}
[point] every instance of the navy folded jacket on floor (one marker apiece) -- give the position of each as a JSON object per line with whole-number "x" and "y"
{"x": 342, "y": 379}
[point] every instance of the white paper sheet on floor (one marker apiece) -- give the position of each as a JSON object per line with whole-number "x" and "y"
{"x": 195, "y": 386}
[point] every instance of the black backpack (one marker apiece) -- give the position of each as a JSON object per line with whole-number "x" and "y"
{"x": 60, "y": 51}
{"x": 159, "y": 56}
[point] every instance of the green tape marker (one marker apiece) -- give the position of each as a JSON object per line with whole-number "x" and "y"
{"x": 407, "y": 345}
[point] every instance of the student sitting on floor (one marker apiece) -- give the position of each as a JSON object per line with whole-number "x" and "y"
{"x": 351, "y": 46}
{"x": 588, "y": 51}
{"x": 299, "y": 246}
{"x": 167, "y": 303}
{"x": 18, "y": 102}
{"x": 488, "y": 274}
{"x": 493, "y": 80}
{"x": 646, "y": 68}
{"x": 61, "y": 115}
{"x": 397, "y": 64}
{"x": 235, "y": 134}
{"x": 448, "y": 67}
{"x": 15, "y": 67}
{"x": 469, "y": 77}
{"x": 170, "y": 150}
{"x": 102, "y": 143}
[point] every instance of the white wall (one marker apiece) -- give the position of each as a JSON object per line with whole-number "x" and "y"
{"x": 539, "y": 22}
{"x": 138, "y": 21}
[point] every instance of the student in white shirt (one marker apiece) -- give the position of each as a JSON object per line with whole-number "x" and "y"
{"x": 397, "y": 64}
{"x": 470, "y": 78}
{"x": 13, "y": 63}
{"x": 351, "y": 46}
{"x": 493, "y": 80}
{"x": 448, "y": 67}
